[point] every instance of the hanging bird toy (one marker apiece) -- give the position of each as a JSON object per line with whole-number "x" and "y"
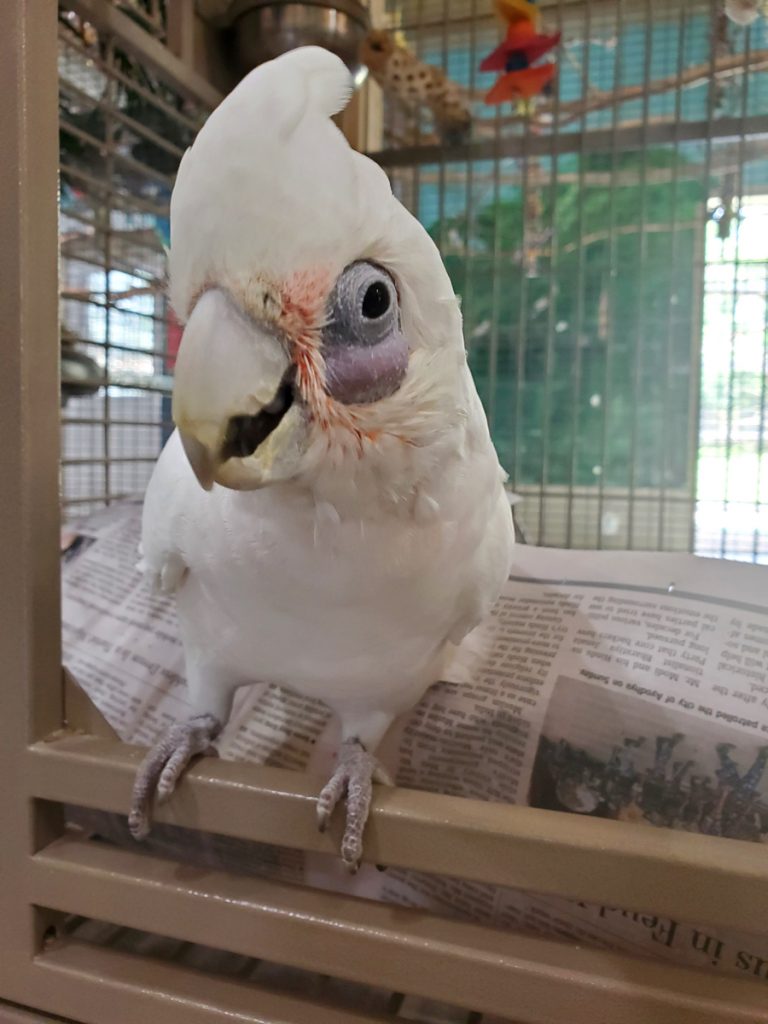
{"x": 400, "y": 73}
{"x": 515, "y": 57}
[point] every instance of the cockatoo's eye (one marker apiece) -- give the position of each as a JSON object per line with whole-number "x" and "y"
{"x": 366, "y": 355}
{"x": 363, "y": 307}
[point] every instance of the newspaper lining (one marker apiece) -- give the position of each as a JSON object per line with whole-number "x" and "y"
{"x": 625, "y": 685}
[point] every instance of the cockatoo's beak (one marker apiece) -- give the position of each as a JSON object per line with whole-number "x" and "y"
{"x": 233, "y": 398}
{"x": 201, "y": 460}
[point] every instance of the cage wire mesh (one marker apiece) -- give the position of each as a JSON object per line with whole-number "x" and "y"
{"x": 609, "y": 251}
{"x": 122, "y": 133}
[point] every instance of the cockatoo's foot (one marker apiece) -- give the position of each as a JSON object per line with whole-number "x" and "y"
{"x": 162, "y": 767}
{"x": 355, "y": 773}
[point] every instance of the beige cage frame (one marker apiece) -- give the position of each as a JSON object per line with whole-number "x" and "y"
{"x": 54, "y": 749}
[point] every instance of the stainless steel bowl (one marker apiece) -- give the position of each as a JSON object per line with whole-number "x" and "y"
{"x": 267, "y": 28}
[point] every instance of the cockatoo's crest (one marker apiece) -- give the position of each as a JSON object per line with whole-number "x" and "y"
{"x": 322, "y": 85}
{"x": 270, "y": 186}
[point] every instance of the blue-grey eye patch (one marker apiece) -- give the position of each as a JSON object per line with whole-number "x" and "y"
{"x": 366, "y": 355}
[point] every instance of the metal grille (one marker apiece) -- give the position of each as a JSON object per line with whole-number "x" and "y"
{"x": 122, "y": 134}
{"x": 607, "y": 251}
{"x": 618, "y": 341}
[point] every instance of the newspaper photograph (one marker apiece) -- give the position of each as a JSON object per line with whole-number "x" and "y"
{"x": 620, "y": 761}
{"x": 630, "y": 686}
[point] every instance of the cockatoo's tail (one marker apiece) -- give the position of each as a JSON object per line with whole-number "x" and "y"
{"x": 297, "y": 272}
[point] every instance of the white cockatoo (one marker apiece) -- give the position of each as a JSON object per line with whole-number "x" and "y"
{"x": 330, "y": 511}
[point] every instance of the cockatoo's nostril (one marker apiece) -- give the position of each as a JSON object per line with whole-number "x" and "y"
{"x": 246, "y": 433}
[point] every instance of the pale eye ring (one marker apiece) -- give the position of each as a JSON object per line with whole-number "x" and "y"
{"x": 365, "y": 352}
{"x": 363, "y": 307}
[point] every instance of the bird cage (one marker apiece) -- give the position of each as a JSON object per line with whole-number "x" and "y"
{"x": 122, "y": 131}
{"x": 67, "y": 902}
{"x": 607, "y": 248}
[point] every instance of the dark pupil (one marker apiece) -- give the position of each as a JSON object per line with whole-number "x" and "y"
{"x": 375, "y": 300}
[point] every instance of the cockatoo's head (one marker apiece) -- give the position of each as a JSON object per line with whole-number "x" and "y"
{"x": 322, "y": 333}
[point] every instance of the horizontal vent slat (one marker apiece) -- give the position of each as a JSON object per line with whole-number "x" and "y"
{"x": 102, "y": 986}
{"x": 381, "y": 944}
{"x": 687, "y": 877}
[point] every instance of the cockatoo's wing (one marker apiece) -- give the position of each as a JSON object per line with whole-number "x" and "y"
{"x": 487, "y": 523}
{"x": 492, "y": 564}
{"x": 162, "y": 562}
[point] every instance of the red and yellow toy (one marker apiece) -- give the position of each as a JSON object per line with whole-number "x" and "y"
{"x": 515, "y": 56}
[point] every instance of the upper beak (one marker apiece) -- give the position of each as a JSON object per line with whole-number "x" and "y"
{"x": 232, "y": 393}
{"x": 200, "y": 458}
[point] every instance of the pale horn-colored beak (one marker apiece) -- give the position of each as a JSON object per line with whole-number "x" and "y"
{"x": 233, "y": 398}
{"x": 201, "y": 460}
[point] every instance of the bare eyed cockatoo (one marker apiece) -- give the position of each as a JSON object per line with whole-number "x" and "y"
{"x": 330, "y": 512}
